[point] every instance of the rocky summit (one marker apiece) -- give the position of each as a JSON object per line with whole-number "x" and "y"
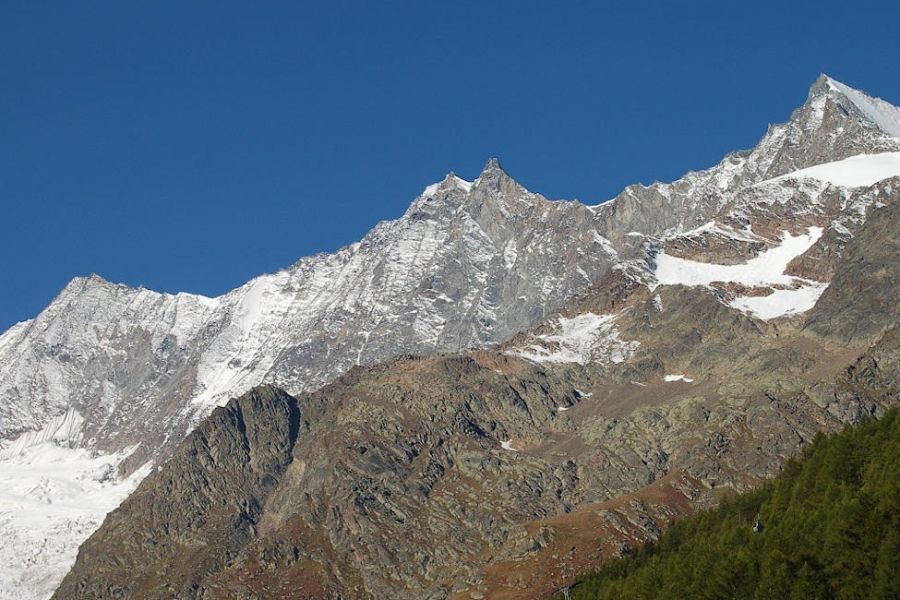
{"x": 483, "y": 398}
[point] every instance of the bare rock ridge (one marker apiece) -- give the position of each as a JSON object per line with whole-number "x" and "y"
{"x": 590, "y": 297}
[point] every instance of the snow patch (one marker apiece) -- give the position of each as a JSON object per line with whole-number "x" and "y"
{"x": 449, "y": 180}
{"x": 721, "y": 230}
{"x": 605, "y": 244}
{"x": 841, "y": 229}
{"x": 767, "y": 269}
{"x": 507, "y": 445}
{"x": 883, "y": 114}
{"x": 12, "y": 335}
{"x": 241, "y": 354}
{"x": 676, "y": 377}
{"x": 582, "y": 339}
{"x": 462, "y": 184}
{"x": 64, "y": 430}
{"x": 861, "y": 170}
{"x": 510, "y": 253}
{"x": 782, "y": 302}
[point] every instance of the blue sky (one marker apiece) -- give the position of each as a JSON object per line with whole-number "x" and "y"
{"x": 194, "y": 145}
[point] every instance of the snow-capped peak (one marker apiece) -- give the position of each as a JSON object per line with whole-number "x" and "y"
{"x": 882, "y": 114}
{"x": 451, "y": 181}
{"x": 857, "y": 171}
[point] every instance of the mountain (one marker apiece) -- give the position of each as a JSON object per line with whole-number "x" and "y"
{"x": 469, "y": 264}
{"x": 108, "y": 380}
{"x": 704, "y": 357}
{"x": 808, "y": 534}
{"x": 133, "y": 371}
{"x": 477, "y": 475}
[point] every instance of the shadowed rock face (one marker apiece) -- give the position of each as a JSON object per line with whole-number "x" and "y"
{"x": 864, "y": 289}
{"x": 197, "y": 513}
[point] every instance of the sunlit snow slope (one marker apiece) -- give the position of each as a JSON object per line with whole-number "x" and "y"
{"x": 784, "y": 295}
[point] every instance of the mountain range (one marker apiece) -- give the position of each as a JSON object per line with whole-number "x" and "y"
{"x": 480, "y": 399}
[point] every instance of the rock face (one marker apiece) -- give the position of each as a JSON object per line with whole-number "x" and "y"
{"x": 863, "y": 292}
{"x": 470, "y": 264}
{"x": 212, "y": 493}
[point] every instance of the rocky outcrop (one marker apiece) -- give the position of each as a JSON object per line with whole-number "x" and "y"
{"x": 862, "y": 298}
{"x": 197, "y": 513}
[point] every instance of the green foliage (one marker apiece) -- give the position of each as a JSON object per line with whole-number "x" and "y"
{"x": 830, "y": 530}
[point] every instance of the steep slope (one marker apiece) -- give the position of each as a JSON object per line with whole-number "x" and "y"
{"x": 816, "y": 535}
{"x": 468, "y": 265}
{"x": 226, "y": 470}
{"x": 460, "y": 476}
{"x": 359, "y": 513}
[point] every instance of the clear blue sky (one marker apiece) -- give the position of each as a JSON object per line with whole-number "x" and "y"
{"x": 193, "y": 145}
